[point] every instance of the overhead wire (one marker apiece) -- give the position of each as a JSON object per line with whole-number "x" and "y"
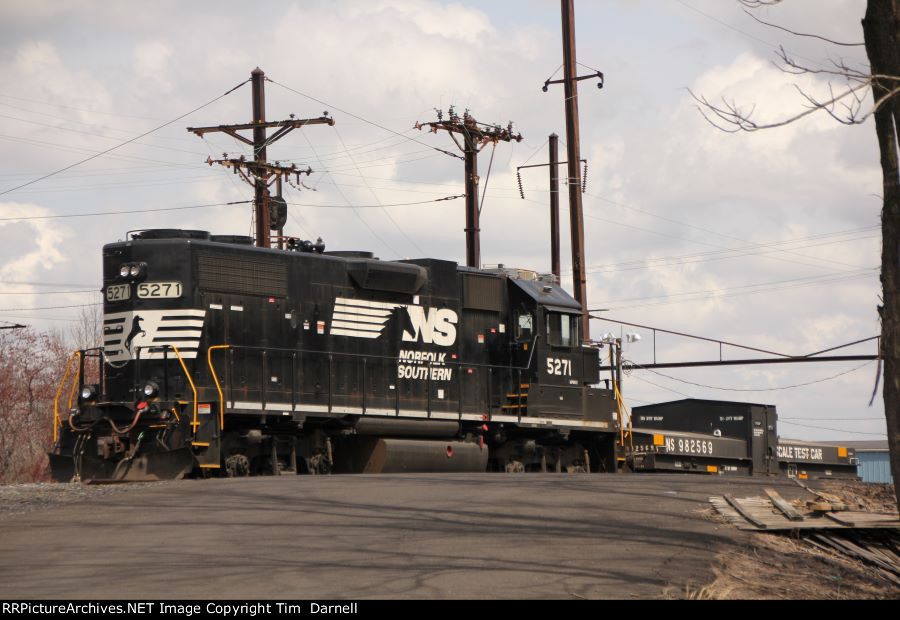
{"x": 347, "y": 200}
{"x": 374, "y": 195}
{"x": 708, "y": 231}
{"x": 365, "y": 120}
{"x": 124, "y": 143}
{"x": 124, "y": 212}
{"x": 715, "y": 294}
{"x": 836, "y": 430}
{"x": 773, "y": 389}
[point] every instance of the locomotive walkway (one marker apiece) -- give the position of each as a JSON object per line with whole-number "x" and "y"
{"x": 379, "y": 536}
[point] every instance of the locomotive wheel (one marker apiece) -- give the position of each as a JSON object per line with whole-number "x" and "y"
{"x": 237, "y": 466}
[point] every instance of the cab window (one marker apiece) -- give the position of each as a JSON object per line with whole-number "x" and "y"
{"x": 562, "y": 329}
{"x": 525, "y": 326}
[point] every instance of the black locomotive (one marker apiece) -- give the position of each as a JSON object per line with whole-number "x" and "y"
{"x": 222, "y": 358}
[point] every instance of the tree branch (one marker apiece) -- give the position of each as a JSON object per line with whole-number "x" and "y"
{"x": 798, "y": 34}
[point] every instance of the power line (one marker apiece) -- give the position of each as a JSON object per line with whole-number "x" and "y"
{"x": 373, "y": 123}
{"x": 775, "y": 389}
{"x": 17, "y": 282}
{"x": 347, "y": 200}
{"x": 374, "y": 195}
{"x": 48, "y": 307}
{"x": 95, "y": 291}
{"x": 836, "y": 430}
{"x": 121, "y": 144}
{"x": 96, "y": 135}
{"x": 68, "y": 107}
{"x": 710, "y": 232}
{"x": 98, "y": 213}
{"x": 836, "y": 419}
{"x": 375, "y": 206}
{"x": 737, "y": 252}
{"x": 716, "y": 295}
{"x": 745, "y": 286}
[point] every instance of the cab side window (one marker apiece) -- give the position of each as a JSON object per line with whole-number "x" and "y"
{"x": 525, "y": 326}
{"x": 562, "y": 329}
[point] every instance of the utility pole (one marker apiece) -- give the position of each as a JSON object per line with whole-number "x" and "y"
{"x": 554, "y": 205}
{"x": 259, "y": 173}
{"x": 573, "y": 144}
{"x": 475, "y": 136}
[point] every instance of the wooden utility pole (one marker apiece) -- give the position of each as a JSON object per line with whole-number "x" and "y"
{"x": 259, "y": 173}
{"x": 554, "y": 205}
{"x": 261, "y": 190}
{"x": 475, "y": 136}
{"x": 573, "y": 144}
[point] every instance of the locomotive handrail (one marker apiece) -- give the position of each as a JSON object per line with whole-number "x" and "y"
{"x": 187, "y": 374}
{"x": 76, "y": 356}
{"x": 212, "y": 371}
{"x": 515, "y": 372}
{"x": 366, "y": 356}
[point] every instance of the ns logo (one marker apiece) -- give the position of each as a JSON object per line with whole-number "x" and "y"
{"x": 431, "y": 325}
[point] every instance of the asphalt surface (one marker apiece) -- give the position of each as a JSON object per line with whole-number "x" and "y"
{"x": 381, "y": 536}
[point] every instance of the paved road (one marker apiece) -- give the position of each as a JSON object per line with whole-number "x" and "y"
{"x": 400, "y": 536}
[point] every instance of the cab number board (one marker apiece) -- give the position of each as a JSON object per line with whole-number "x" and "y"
{"x": 159, "y": 290}
{"x": 118, "y": 292}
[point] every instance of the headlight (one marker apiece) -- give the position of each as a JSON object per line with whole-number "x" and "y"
{"x": 151, "y": 389}
{"x": 123, "y": 270}
{"x": 135, "y": 271}
{"x": 89, "y": 393}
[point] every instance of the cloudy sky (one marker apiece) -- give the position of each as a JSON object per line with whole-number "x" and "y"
{"x": 767, "y": 239}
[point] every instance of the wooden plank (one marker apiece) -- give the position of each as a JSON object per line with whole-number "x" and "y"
{"x": 744, "y": 513}
{"x": 786, "y": 509}
{"x": 863, "y": 519}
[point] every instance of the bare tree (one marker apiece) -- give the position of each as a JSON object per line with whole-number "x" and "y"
{"x": 849, "y": 104}
{"x": 30, "y": 369}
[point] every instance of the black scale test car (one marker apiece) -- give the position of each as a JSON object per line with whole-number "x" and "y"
{"x": 222, "y": 358}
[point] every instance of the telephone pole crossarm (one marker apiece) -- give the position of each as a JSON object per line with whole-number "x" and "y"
{"x": 261, "y": 170}
{"x": 285, "y": 127}
{"x": 598, "y": 75}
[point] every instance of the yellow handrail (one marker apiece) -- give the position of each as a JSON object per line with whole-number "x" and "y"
{"x": 75, "y": 357}
{"x": 216, "y": 379}
{"x": 193, "y": 388}
{"x": 621, "y": 406}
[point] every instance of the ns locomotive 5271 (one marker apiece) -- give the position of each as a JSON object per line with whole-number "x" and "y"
{"x": 221, "y": 357}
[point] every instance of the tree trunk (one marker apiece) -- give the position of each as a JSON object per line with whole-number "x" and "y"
{"x": 881, "y": 27}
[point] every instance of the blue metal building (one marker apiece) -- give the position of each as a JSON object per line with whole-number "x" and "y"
{"x": 874, "y": 460}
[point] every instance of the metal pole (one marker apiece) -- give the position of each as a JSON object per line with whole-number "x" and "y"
{"x": 261, "y": 198}
{"x": 573, "y": 144}
{"x": 473, "y": 242}
{"x": 280, "y": 229}
{"x": 554, "y": 205}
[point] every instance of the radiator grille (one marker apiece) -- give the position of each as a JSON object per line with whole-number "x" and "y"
{"x": 482, "y": 293}
{"x": 246, "y": 276}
